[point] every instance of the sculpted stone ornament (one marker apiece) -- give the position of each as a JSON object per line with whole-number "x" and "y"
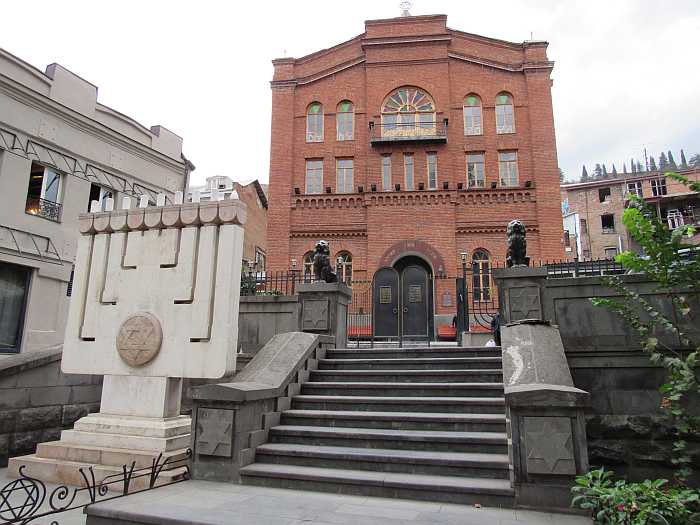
{"x": 323, "y": 270}
{"x": 517, "y": 245}
{"x": 139, "y": 339}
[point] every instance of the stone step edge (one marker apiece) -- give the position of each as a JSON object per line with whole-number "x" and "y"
{"x": 50, "y": 450}
{"x": 420, "y": 360}
{"x": 377, "y": 384}
{"x": 386, "y": 479}
{"x": 438, "y": 417}
{"x": 417, "y": 372}
{"x": 421, "y": 457}
{"x": 495, "y": 438}
{"x": 499, "y": 401}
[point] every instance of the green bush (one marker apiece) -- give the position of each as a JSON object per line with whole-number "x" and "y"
{"x": 617, "y": 502}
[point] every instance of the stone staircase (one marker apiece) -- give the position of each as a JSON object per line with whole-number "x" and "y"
{"x": 412, "y": 423}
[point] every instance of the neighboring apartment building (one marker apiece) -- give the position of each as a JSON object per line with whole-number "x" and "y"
{"x": 254, "y": 195}
{"x": 593, "y": 210}
{"x": 60, "y": 149}
{"x": 409, "y": 145}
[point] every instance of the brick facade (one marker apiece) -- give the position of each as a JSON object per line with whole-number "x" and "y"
{"x": 448, "y": 65}
{"x": 255, "y": 240}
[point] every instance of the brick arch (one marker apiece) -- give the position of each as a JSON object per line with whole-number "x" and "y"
{"x": 421, "y": 248}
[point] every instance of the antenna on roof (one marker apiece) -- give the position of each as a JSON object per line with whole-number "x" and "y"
{"x": 405, "y": 5}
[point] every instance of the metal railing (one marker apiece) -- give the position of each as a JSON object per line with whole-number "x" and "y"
{"x": 408, "y": 131}
{"x": 43, "y": 208}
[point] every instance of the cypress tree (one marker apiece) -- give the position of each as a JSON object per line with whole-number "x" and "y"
{"x": 584, "y": 174}
{"x": 695, "y": 161}
{"x": 598, "y": 172}
{"x": 605, "y": 172}
{"x": 624, "y": 167}
{"x": 671, "y": 162}
{"x": 614, "y": 171}
{"x": 652, "y": 164}
{"x": 684, "y": 163}
{"x": 663, "y": 162}
{"x": 640, "y": 169}
{"x": 633, "y": 166}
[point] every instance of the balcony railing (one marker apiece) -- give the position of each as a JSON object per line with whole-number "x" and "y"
{"x": 43, "y": 208}
{"x": 408, "y": 132}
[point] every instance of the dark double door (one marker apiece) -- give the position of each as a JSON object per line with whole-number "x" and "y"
{"x": 402, "y": 303}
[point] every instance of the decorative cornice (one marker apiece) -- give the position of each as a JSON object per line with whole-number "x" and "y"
{"x": 398, "y": 41}
{"x": 326, "y": 200}
{"x": 85, "y": 124}
{"x": 471, "y": 228}
{"x": 496, "y": 196}
{"x": 359, "y": 231}
{"x": 320, "y": 75}
{"x": 407, "y": 198}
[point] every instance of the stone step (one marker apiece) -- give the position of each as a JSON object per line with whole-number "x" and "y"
{"x": 386, "y": 460}
{"x": 409, "y": 376}
{"x": 396, "y": 420}
{"x": 65, "y": 472}
{"x": 481, "y": 389}
{"x": 434, "y": 440}
{"x": 459, "y": 405}
{"x": 414, "y": 363}
{"x": 450, "y": 489}
{"x": 115, "y": 457}
{"x": 391, "y": 353}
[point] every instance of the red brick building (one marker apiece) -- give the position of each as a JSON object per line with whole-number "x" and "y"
{"x": 411, "y": 144}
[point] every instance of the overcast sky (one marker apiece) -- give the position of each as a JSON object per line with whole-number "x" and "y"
{"x": 626, "y": 72}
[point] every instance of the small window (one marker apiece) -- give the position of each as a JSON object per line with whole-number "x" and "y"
{"x": 481, "y": 276}
{"x": 584, "y": 226}
{"x": 505, "y": 119}
{"x": 658, "y": 187}
{"x": 634, "y": 188}
{"x": 607, "y": 223}
{"x": 44, "y": 192}
{"x": 260, "y": 259}
{"x": 567, "y": 239}
{"x": 432, "y": 171}
{"x": 308, "y": 266}
{"x": 344, "y": 177}
{"x": 604, "y": 194}
{"x": 408, "y": 170}
{"x": 386, "y": 173}
{"x": 610, "y": 253}
{"x": 508, "y": 168}
{"x": 344, "y": 267}
{"x": 472, "y": 115}
{"x": 314, "y": 123}
{"x": 345, "y": 121}
{"x": 475, "y": 170}
{"x": 100, "y": 194}
{"x": 314, "y": 176}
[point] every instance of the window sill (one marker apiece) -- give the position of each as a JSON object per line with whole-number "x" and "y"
{"x": 608, "y": 232}
{"x": 505, "y": 132}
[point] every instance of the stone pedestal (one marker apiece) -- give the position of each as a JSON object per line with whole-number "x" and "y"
{"x": 324, "y": 310}
{"x": 520, "y": 292}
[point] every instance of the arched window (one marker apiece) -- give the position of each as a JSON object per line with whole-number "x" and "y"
{"x": 472, "y": 115}
{"x": 505, "y": 118}
{"x": 481, "y": 276}
{"x": 408, "y": 111}
{"x": 345, "y": 121}
{"x": 344, "y": 267}
{"x": 314, "y": 123}
{"x": 308, "y": 267}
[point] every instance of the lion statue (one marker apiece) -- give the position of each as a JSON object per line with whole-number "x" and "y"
{"x": 323, "y": 271}
{"x": 517, "y": 245}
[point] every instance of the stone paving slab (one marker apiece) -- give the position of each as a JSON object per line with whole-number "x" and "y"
{"x": 209, "y": 503}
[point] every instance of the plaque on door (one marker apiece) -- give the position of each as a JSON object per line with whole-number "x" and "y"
{"x": 385, "y": 295}
{"x": 415, "y": 293}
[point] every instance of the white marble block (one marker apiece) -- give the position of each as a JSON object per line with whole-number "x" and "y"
{"x": 156, "y": 292}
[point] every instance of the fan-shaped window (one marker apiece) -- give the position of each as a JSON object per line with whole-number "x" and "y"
{"x": 344, "y": 267}
{"x": 345, "y": 121}
{"x": 314, "y": 123}
{"x": 308, "y": 267}
{"x": 472, "y": 115}
{"x": 481, "y": 276}
{"x": 505, "y": 118}
{"x": 408, "y": 111}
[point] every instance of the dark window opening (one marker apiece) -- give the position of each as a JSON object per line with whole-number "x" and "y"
{"x": 14, "y": 284}
{"x": 607, "y": 222}
{"x": 604, "y": 194}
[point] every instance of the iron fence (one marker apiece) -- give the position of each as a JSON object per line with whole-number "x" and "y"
{"x": 26, "y": 499}
{"x": 43, "y": 208}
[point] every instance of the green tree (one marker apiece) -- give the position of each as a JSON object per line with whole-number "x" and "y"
{"x": 652, "y": 164}
{"x": 633, "y": 166}
{"x": 684, "y": 163}
{"x": 671, "y": 162}
{"x": 614, "y": 171}
{"x": 561, "y": 175}
{"x": 663, "y": 161}
{"x": 677, "y": 277}
{"x": 695, "y": 161}
{"x": 605, "y": 172}
{"x": 624, "y": 167}
{"x": 640, "y": 169}
{"x": 584, "y": 174}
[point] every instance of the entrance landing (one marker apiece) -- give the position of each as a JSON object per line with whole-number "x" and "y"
{"x": 208, "y": 503}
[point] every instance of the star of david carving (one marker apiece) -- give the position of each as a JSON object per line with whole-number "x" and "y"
{"x": 525, "y": 303}
{"x": 214, "y": 431}
{"x": 316, "y": 315}
{"x": 139, "y": 339}
{"x": 550, "y": 445}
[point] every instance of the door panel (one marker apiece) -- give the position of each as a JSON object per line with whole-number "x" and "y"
{"x": 385, "y": 300}
{"x": 414, "y": 301}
